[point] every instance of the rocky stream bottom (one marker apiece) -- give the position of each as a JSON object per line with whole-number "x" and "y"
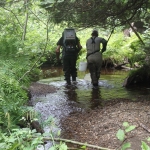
{"x": 99, "y": 126}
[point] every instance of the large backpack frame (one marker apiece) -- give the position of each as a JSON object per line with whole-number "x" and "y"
{"x": 69, "y": 40}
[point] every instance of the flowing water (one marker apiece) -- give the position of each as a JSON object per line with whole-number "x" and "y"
{"x": 81, "y": 95}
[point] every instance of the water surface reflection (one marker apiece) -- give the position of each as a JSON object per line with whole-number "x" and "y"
{"x": 110, "y": 87}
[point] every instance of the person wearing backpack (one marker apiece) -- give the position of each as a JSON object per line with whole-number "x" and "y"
{"x": 71, "y": 46}
{"x": 94, "y": 55}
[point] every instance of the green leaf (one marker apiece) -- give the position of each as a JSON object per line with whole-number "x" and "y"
{"x": 83, "y": 147}
{"x": 45, "y": 134}
{"x": 51, "y": 1}
{"x": 15, "y": 146}
{"x": 130, "y": 128}
{"x": 125, "y": 1}
{"x": 148, "y": 139}
{"x": 126, "y": 145}
{"x": 60, "y": 0}
{"x": 37, "y": 141}
{"x": 29, "y": 148}
{"x": 125, "y": 124}
{"x": 144, "y": 146}
{"x": 11, "y": 140}
{"x": 58, "y": 133}
{"x": 117, "y": 1}
{"x": 52, "y": 148}
{"x": 63, "y": 146}
{"x": 120, "y": 135}
{"x": 3, "y": 145}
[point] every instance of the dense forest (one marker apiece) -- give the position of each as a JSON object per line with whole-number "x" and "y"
{"x": 30, "y": 30}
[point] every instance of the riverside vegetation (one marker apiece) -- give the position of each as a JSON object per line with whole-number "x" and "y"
{"x": 28, "y": 40}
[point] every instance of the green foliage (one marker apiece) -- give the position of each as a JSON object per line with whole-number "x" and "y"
{"x": 60, "y": 146}
{"x": 144, "y": 146}
{"x": 128, "y": 127}
{"x": 121, "y": 134}
{"x": 8, "y": 46}
{"x": 143, "y": 73}
{"x": 12, "y": 98}
{"x": 15, "y": 67}
{"x": 146, "y": 39}
{"x": 125, "y": 146}
{"x": 36, "y": 37}
{"x": 26, "y": 139}
{"x": 114, "y": 48}
{"x": 120, "y": 48}
{"x": 21, "y": 139}
{"x": 41, "y": 36}
{"x": 80, "y": 12}
{"x": 12, "y": 95}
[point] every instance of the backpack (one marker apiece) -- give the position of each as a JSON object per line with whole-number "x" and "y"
{"x": 69, "y": 41}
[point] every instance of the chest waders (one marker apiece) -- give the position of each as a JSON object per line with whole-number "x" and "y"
{"x": 93, "y": 69}
{"x": 69, "y": 52}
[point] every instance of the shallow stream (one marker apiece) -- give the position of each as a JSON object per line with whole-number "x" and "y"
{"x": 81, "y": 95}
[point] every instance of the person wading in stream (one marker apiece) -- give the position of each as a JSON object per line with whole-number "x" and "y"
{"x": 71, "y": 46}
{"x": 94, "y": 55}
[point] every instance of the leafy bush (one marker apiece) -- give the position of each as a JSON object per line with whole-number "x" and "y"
{"x": 12, "y": 98}
{"x": 12, "y": 95}
{"x": 21, "y": 139}
{"x": 27, "y": 139}
{"x": 8, "y": 46}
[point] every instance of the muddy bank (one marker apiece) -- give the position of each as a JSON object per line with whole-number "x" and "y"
{"x": 99, "y": 126}
{"x": 41, "y": 89}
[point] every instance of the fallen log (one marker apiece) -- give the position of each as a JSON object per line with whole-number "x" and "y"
{"x": 75, "y": 142}
{"x": 120, "y": 66}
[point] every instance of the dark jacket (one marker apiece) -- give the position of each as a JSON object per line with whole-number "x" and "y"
{"x": 64, "y": 53}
